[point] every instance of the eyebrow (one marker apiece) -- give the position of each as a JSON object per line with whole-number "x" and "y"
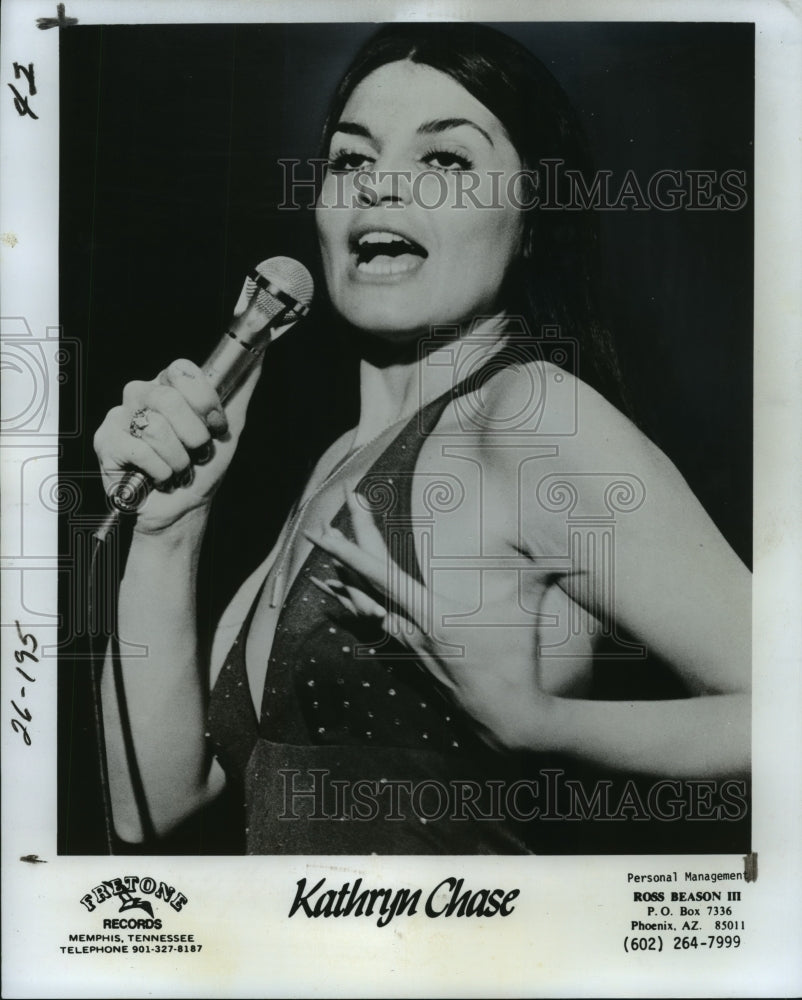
{"x": 434, "y": 127}
{"x": 444, "y": 124}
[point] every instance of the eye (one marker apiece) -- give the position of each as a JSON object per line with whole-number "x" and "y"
{"x": 447, "y": 159}
{"x": 348, "y": 160}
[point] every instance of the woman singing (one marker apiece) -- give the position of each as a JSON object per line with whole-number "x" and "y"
{"x": 426, "y": 627}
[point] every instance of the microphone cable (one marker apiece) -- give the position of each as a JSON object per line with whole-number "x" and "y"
{"x": 275, "y": 295}
{"x": 97, "y": 663}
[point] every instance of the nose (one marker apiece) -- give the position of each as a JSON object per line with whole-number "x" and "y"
{"x": 384, "y": 186}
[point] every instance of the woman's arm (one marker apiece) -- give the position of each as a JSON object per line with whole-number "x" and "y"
{"x": 668, "y": 579}
{"x": 154, "y": 704}
{"x": 658, "y": 568}
{"x": 699, "y": 737}
{"x": 164, "y": 690}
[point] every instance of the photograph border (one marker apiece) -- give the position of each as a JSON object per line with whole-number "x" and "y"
{"x": 561, "y": 898}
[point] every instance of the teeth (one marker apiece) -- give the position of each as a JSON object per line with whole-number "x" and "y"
{"x": 393, "y": 265}
{"x": 381, "y": 237}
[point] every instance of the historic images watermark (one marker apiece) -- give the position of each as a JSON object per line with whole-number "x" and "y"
{"x": 313, "y": 794}
{"x": 550, "y": 187}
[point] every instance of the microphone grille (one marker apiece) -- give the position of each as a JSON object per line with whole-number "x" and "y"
{"x": 287, "y": 276}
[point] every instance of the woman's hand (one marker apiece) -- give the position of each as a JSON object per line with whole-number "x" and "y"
{"x": 173, "y": 429}
{"x": 502, "y": 696}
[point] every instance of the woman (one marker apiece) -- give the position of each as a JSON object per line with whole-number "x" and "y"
{"x": 428, "y": 618}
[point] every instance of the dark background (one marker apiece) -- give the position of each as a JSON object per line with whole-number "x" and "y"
{"x": 170, "y": 140}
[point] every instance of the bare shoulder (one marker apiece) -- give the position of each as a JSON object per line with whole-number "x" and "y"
{"x": 540, "y": 403}
{"x": 569, "y": 489}
{"x": 572, "y": 454}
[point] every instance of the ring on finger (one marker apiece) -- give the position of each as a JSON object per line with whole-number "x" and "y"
{"x": 139, "y": 421}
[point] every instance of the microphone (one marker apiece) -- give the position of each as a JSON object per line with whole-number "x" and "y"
{"x": 276, "y": 294}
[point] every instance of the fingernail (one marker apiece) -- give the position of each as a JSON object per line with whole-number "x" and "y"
{"x": 184, "y": 478}
{"x": 202, "y": 455}
{"x": 322, "y": 586}
{"x": 216, "y": 421}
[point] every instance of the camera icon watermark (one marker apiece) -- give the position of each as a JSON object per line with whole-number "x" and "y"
{"x": 41, "y": 381}
{"x": 545, "y": 363}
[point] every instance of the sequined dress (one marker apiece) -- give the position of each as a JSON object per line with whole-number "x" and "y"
{"x": 357, "y": 749}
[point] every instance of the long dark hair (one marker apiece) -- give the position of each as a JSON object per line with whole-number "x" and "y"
{"x": 556, "y": 282}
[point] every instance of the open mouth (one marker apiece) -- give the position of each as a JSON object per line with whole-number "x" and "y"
{"x": 383, "y": 252}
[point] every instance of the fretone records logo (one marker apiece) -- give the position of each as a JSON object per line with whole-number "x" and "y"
{"x": 131, "y": 892}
